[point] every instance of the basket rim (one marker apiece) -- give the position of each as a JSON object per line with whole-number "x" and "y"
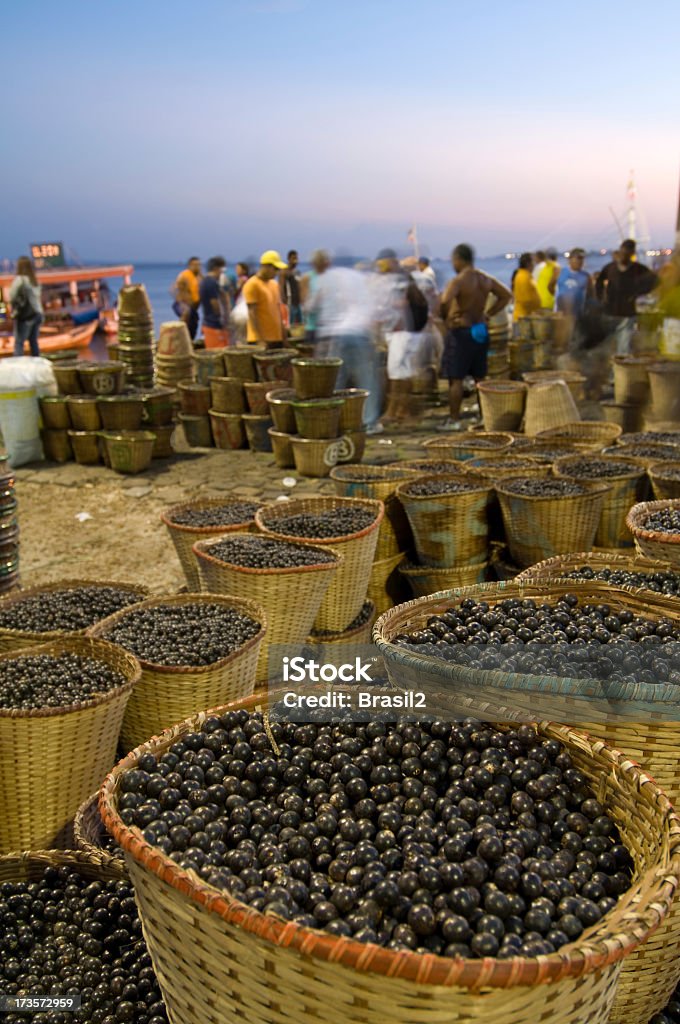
{"x": 166, "y": 514}
{"x": 273, "y": 393}
{"x": 119, "y": 399}
{"x": 431, "y": 570}
{"x": 350, "y": 394}
{"x": 352, "y": 472}
{"x": 655, "y": 469}
{"x": 86, "y": 845}
{"x": 597, "y": 426}
{"x": 614, "y": 560}
{"x": 321, "y": 362}
{"x": 467, "y": 438}
{"x": 564, "y": 460}
{"x": 16, "y": 597}
{"x": 141, "y": 436}
{"x": 478, "y": 484}
{"x": 644, "y": 508}
{"x": 593, "y": 488}
{"x": 346, "y": 634}
{"x": 200, "y": 549}
{"x": 318, "y": 403}
{"x": 331, "y": 502}
{"x": 502, "y": 385}
{"x": 276, "y": 354}
{"x": 64, "y": 645}
{"x": 426, "y": 969}
{"x": 192, "y": 385}
{"x": 63, "y": 858}
{"x": 242, "y": 604}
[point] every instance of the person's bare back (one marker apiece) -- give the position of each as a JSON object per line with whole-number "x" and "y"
{"x": 465, "y": 298}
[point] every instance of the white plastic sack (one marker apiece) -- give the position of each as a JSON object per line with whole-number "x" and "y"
{"x": 19, "y": 372}
{"x": 20, "y": 424}
{"x": 239, "y": 314}
{"x": 403, "y": 349}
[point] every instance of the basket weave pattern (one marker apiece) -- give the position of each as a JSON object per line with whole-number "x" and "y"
{"x": 449, "y": 530}
{"x": 474, "y": 444}
{"x": 88, "y": 832}
{"x": 379, "y": 483}
{"x": 597, "y": 432}
{"x": 424, "y": 580}
{"x": 384, "y": 585}
{"x": 501, "y": 403}
{"x": 652, "y": 543}
{"x": 52, "y": 759}
{"x": 184, "y": 537}
{"x": 664, "y": 487}
{"x": 625, "y": 490}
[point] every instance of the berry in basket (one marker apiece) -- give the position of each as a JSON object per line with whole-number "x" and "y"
{"x": 31, "y": 682}
{"x": 70, "y": 609}
{"x": 336, "y": 522}
{"x": 263, "y": 553}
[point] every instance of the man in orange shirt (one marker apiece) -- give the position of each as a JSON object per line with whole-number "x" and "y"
{"x": 187, "y": 296}
{"x": 263, "y": 298}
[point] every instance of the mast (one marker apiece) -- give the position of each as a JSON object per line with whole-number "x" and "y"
{"x": 631, "y": 215}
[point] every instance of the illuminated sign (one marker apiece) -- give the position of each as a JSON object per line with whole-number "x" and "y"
{"x": 48, "y": 254}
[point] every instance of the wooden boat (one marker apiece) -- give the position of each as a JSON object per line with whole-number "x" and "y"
{"x": 53, "y": 339}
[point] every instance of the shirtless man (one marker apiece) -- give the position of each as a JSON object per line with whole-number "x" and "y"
{"x": 465, "y": 312}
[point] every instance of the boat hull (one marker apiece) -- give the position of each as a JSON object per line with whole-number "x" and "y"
{"x": 74, "y": 338}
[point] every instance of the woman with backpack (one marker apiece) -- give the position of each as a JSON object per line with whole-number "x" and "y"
{"x": 27, "y": 310}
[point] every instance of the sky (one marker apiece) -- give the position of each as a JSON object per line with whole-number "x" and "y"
{"x": 150, "y": 131}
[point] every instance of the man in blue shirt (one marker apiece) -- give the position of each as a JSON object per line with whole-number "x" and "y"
{"x": 574, "y": 287}
{"x": 214, "y": 304}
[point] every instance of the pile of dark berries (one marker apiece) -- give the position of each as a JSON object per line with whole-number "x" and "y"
{"x": 565, "y": 638}
{"x": 652, "y": 437}
{"x": 473, "y": 441}
{"x": 670, "y": 1013}
{"x": 38, "y": 681}
{"x": 659, "y": 582}
{"x": 361, "y": 619}
{"x": 539, "y": 487}
{"x": 669, "y": 473}
{"x": 368, "y": 474}
{"x": 423, "y": 488}
{"x": 508, "y": 463}
{"x": 645, "y": 451}
{"x": 183, "y": 634}
{"x": 218, "y": 515}
{"x": 592, "y": 468}
{"x": 664, "y": 520}
{"x": 65, "y": 935}
{"x": 264, "y": 553}
{"x": 432, "y": 467}
{"x": 67, "y": 610}
{"x": 550, "y": 454}
{"x": 457, "y": 840}
{"x": 335, "y": 522}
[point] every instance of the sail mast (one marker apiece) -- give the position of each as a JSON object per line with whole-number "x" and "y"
{"x": 632, "y": 217}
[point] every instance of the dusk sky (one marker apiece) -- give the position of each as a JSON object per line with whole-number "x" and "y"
{"x": 150, "y": 130}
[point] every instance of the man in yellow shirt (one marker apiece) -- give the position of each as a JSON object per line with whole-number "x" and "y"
{"x": 524, "y": 292}
{"x": 187, "y": 295}
{"x": 263, "y": 298}
{"x": 545, "y": 278}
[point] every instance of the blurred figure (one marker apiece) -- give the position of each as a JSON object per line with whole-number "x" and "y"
{"x": 524, "y": 292}
{"x": 668, "y": 291}
{"x": 618, "y": 286}
{"x": 343, "y": 315}
{"x": 466, "y": 309}
{"x": 289, "y": 283}
{"x": 320, "y": 262}
{"x": 187, "y": 295}
{"x": 263, "y": 298}
{"x": 26, "y": 306}
{"x": 215, "y": 305}
{"x": 432, "y": 342}
{"x": 242, "y": 275}
{"x": 546, "y": 273}
{"x": 574, "y": 286}
{"x": 426, "y": 269}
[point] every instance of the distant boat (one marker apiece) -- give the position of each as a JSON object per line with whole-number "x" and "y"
{"x": 53, "y": 339}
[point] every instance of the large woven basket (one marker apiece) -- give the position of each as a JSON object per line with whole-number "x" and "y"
{"x": 546, "y": 451}
{"x": 626, "y": 489}
{"x": 280, "y": 402}
{"x": 469, "y": 445}
{"x": 424, "y": 580}
{"x": 596, "y": 432}
{"x": 184, "y": 537}
{"x": 30, "y": 866}
{"x": 560, "y": 565}
{"x": 92, "y": 839}
{"x": 501, "y": 403}
{"x": 256, "y": 396}
{"x": 52, "y": 759}
{"x": 449, "y": 530}
{"x": 315, "y": 378}
{"x": 663, "y": 485}
{"x": 227, "y": 960}
{"x": 503, "y": 468}
{"x": 166, "y": 694}
{"x": 121, "y": 412}
{"x": 227, "y": 395}
{"x": 574, "y": 380}
{"x": 352, "y": 415}
{"x": 344, "y": 598}
{"x": 240, "y": 362}
{"x": 360, "y": 634}
{"x": 631, "y": 380}
{"x": 318, "y": 417}
{"x": 664, "y": 383}
{"x": 290, "y": 597}
{"x": 540, "y": 527}
{"x": 386, "y": 586}
{"x": 549, "y": 404}
{"x": 652, "y": 543}
{"x": 379, "y": 482}
{"x": 13, "y": 639}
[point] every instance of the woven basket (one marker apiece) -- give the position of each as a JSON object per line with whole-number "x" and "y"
{"x": 595, "y": 432}
{"x": 30, "y": 865}
{"x": 469, "y": 445}
{"x": 640, "y": 451}
{"x": 653, "y": 544}
{"x": 524, "y": 356}
{"x": 184, "y": 537}
{"x": 227, "y": 395}
{"x": 356, "y": 635}
{"x": 449, "y": 530}
{"x": 67, "y": 378}
{"x": 129, "y": 451}
{"x": 345, "y": 596}
{"x": 15, "y": 639}
{"x": 558, "y": 567}
{"x": 257, "y": 432}
{"x": 54, "y": 412}
{"x": 625, "y": 415}
{"x": 208, "y": 364}
{"x": 631, "y": 380}
{"x": 548, "y": 405}
{"x": 424, "y": 580}
{"x": 280, "y": 402}
{"x": 227, "y": 429}
{"x": 664, "y": 383}
{"x": 194, "y": 398}
{"x": 386, "y": 586}
{"x": 352, "y": 414}
{"x": 85, "y": 444}
{"x": 166, "y": 694}
{"x": 501, "y": 403}
{"x": 91, "y": 837}
{"x": 121, "y": 412}
{"x": 351, "y": 447}
{"x": 664, "y": 486}
{"x": 315, "y": 457}
{"x": 318, "y": 417}
{"x": 162, "y": 446}
{"x": 275, "y": 366}
{"x": 626, "y": 489}
{"x": 290, "y": 597}
{"x": 240, "y": 363}
{"x": 282, "y": 449}
{"x": 256, "y": 396}
{"x": 380, "y": 483}
{"x": 84, "y": 412}
{"x": 228, "y": 960}
{"x": 315, "y": 378}
{"x": 421, "y": 467}
{"x": 540, "y": 527}
{"x": 102, "y": 378}
{"x": 574, "y": 380}
{"x": 505, "y": 468}
{"x": 56, "y": 445}
{"x": 52, "y": 759}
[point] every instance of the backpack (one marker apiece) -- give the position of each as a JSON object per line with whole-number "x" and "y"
{"x": 22, "y": 307}
{"x": 417, "y": 304}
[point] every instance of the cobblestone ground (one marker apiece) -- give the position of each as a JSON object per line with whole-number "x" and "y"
{"x": 87, "y": 522}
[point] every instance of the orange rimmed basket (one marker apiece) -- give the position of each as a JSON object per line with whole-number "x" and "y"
{"x": 184, "y": 537}
{"x": 165, "y": 694}
{"x": 627, "y": 487}
{"x": 51, "y": 759}
{"x": 93, "y": 840}
{"x": 665, "y": 487}
{"x": 449, "y": 530}
{"x": 653, "y": 543}
{"x": 13, "y": 639}
{"x": 501, "y": 403}
{"x": 291, "y": 597}
{"x": 348, "y": 590}
{"x": 469, "y": 445}
{"x": 227, "y": 959}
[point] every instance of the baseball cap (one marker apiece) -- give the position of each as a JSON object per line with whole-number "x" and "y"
{"x": 273, "y": 259}
{"x": 386, "y": 254}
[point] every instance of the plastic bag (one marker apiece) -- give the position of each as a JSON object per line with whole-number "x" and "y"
{"x": 19, "y": 372}
{"x": 20, "y": 424}
{"x": 239, "y": 314}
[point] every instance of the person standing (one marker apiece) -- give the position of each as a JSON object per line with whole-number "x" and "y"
{"x": 289, "y": 282}
{"x": 187, "y": 295}
{"x": 574, "y": 287}
{"x": 545, "y": 275}
{"x": 525, "y": 295}
{"x": 465, "y": 310}
{"x": 242, "y": 275}
{"x": 320, "y": 261}
{"x": 27, "y": 310}
{"x": 214, "y": 305}
{"x": 263, "y": 299}
{"x": 618, "y": 286}
{"x": 425, "y": 267}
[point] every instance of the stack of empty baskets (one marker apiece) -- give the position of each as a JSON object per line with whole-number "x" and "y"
{"x": 239, "y": 413}
{"x": 174, "y": 354}
{"x": 135, "y": 335}
{"x": 500, "y": 332}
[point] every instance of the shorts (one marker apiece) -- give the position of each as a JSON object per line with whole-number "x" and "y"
{"x": 463, "y": 357}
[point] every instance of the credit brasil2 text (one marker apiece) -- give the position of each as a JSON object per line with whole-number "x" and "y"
{"x": 358, "y": 699}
